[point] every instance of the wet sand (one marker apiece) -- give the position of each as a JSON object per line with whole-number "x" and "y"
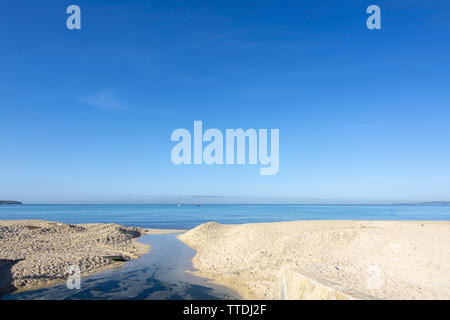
{"x": 326, "y": 259}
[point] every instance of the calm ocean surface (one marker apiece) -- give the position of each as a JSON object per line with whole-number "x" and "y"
{"x": 189, "y": 216}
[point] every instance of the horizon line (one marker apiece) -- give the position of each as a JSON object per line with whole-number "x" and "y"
{"x": 242, "y": 203}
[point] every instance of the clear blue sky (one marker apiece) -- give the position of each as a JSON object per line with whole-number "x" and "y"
{"x": 86, "y": 116}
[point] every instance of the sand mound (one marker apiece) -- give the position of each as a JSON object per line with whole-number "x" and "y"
{"x": 382, "y": 259}
{"x": 35, "y": 253}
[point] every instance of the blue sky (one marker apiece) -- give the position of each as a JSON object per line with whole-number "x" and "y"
{"x": 86, "y": 115}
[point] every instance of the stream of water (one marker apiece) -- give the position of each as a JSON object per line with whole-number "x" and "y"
{"x": 159, "y": 274}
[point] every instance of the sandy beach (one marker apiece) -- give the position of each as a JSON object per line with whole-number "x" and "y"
{"x": 286, "y": 260}
{"x": 326, "y": 259}
{"x": 35, "y": 253}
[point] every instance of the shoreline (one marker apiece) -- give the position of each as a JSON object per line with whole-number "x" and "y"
{"x": 309, "y": 259}
{"x": 215, "y": 278}
{"x": 326, "y": 259}
{"x": 35, "y": 254}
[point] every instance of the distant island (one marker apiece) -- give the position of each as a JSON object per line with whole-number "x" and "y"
{"x": 9, "y": 202}
{"x": 430, "y": 203}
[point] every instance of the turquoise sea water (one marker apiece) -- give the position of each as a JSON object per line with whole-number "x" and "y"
{"x": 189, "y": 216}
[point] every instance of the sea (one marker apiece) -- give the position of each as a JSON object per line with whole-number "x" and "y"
{"x": 172, "y": 216}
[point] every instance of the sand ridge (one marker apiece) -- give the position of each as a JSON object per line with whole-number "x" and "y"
{"x": 383, "y": 259}
{"x": 35, "y": 253}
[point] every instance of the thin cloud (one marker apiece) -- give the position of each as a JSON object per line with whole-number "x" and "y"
{"x": 104, "y": 99}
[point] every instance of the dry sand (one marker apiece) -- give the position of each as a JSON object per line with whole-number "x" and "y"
{"x": 36, "y": 253}
{"x": 380, "y": 259}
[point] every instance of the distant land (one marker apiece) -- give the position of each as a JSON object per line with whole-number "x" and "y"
{"x": 430, "y": 203}
{"x": 9, "y": 202}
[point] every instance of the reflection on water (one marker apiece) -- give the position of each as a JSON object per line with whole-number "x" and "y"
{"x": 159, "y": 274}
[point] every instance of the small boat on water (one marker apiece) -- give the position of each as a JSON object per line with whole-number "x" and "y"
{"x": 179, "y": 205}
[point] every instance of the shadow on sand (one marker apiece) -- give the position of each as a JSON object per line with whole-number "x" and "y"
{"x": 6, "y": 279}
